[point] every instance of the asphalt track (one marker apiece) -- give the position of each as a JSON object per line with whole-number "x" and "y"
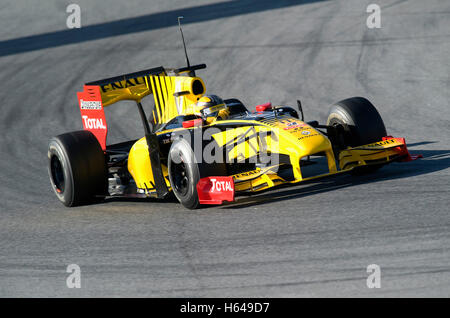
{"x": 306, "y": 241}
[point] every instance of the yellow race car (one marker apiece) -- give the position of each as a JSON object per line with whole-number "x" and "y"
{"x": 206, "y": 150}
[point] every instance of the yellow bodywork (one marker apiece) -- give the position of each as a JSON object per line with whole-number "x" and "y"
{"x": 295, "y": 143}
{"x": 378, "y": 152}
{"x": 173, "y": 95}
{"x": 261, "y": 179}
{"x": 140, "y": 168}
{"x": 283, "y": 137}
{"x": 168, "y": 105}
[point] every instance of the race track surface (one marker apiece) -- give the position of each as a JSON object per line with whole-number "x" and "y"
{"x": 310, "y": 240}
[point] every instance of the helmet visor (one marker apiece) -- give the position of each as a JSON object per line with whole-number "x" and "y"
{"x": 212, "y": 111}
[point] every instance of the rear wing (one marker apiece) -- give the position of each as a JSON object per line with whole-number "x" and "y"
{"x": 173, "y": 95}
{"x": 130, "y": 86}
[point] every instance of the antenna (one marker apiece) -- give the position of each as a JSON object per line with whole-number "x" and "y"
{"x": 299, "y": 104}
{"x": 184, "y": 44}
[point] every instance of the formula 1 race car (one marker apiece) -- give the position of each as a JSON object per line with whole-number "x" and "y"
{"x": 206, "y": 154}
{"x": 206, "y": 150}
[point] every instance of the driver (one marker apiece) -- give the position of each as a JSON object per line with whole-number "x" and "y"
{"x": 211, "y": 108}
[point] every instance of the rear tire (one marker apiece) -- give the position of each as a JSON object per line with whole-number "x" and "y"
{"x": 77, "y": 168}
{"x": 358, "y": 123}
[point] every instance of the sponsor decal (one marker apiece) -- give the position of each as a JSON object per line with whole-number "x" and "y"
{"x": 292, "y": 125}
{"x": 219, "y": 186}
{"x": 93, "y": 123}
{"x": 306, "y": 132}
{"x": 215, "y": 190}
{"x": 307, "y": 136}
{"x": 382, "y": 143}
{"x": 247, "y": 174}
{"x": 88, "y": 104}
{"x": 123, "y": 84}
{"x": 92, "y": 114}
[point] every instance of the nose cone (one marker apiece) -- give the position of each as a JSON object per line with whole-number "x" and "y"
{"x": 302, "y": 136}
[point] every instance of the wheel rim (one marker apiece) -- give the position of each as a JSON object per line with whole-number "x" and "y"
{"x": 180, "y": 176}
{"x": 57, "y": 174}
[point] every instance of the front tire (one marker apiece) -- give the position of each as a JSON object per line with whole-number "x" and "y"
{"x": 185, "y": 170}
{"x": 355, "y": 122}
{"x": 77, "y": 168}
{"x": 360, "y": 119}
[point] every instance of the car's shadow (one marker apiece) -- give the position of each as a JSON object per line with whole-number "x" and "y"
{"x": 432, "y": 161}
{"x": 170, "y": 199}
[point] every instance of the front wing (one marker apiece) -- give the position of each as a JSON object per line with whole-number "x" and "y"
{"x": 387, "y": 150}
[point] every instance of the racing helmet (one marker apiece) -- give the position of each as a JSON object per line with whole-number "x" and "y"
{"x": 211, "y": 106}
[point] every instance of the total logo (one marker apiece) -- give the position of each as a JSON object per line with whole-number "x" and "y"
{"x": 93, "y": 123}
{"x": 219, "y": 186}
